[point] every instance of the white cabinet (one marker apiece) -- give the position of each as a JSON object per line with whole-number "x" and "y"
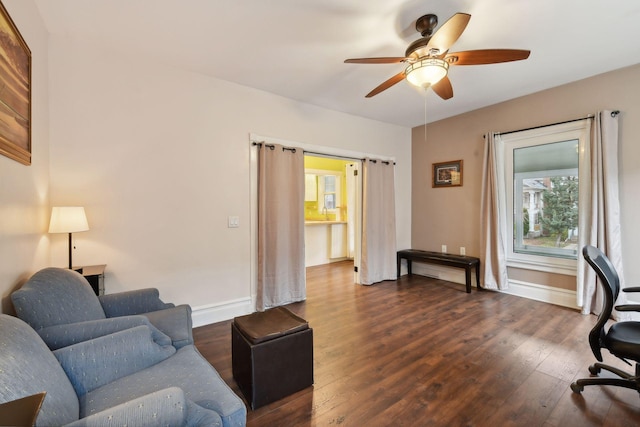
{"x": 310, "y": 187}
{"x": 324, "y": 242}
{"x": 338, "y": 240}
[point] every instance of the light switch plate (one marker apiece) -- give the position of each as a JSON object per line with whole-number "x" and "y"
{"x": 234, "y": 221}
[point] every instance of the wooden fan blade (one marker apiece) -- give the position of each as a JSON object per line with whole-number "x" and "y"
{"x": 486, "y": 56}
{"x": 449, "y": 32}
{"x": 386, "y": 84}
{"x": 386, "y": 60}
{"x": 443, "y": 88}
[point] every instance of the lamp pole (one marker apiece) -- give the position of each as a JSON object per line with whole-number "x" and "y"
{"x": 70, "y": 249}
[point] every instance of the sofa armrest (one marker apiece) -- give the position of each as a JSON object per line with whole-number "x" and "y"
{"x": 94, "y": 363}
{"x": 176, "y": 322}
{"x": 139, "y": 301}
{"x": 167, "y": 407}
{"x": 59, "y": 336}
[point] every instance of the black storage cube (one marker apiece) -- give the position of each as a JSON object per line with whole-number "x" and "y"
{"x": 272, "y": 355}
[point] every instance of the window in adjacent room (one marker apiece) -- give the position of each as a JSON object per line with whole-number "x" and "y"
{"x": 324, "y": 187}
{"x": 330, "y": 191}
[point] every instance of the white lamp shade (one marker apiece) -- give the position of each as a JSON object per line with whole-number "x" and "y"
{"x": 68, "y": 219}
{"x": 427, "y": 72}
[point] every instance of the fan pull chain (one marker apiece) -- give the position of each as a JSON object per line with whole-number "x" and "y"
{"x": 425, "y": 116}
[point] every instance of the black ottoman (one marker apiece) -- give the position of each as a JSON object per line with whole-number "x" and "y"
{"x": 272, "y": 355}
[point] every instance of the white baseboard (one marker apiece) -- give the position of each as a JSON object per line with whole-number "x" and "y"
{"x": 534, "y": 291}
{"x": 213, "y": 313}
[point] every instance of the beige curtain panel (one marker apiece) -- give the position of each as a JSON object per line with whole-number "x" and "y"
{"x": 599, "y": 216}
{"x": 378, "y": 261}
{"x": 281, "y": 265}
{"x": 492, "y": 221}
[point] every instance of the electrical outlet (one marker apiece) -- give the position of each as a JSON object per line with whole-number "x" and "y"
{"x": 463, "y": 251}
{"x": 444, "y": 249}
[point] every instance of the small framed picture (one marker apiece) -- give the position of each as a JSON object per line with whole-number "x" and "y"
{"x": 447, "y": 174}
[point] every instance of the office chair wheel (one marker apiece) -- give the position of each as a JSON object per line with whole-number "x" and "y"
{"x": 595, "y": 370}
{"x": 576, "y": 388}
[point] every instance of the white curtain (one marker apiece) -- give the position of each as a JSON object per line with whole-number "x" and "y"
{"x": 281, "y": 265}
{"x": 378, "y": 261}
{"x": 350, "y": 170}
{"x": 493, "y": 224}
{"x": 599, "y": 209}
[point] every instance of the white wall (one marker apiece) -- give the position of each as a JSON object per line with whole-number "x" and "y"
{"x": 24, "y": 191}
{"x": 159, "y": 157}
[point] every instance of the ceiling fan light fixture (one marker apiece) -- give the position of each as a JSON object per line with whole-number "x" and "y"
{"x": 426, "y": 72}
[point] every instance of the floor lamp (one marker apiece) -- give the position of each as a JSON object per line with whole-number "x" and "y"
{"x": 68, "y": 219}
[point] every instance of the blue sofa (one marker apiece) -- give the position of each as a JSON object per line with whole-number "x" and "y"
{"x": 62, "y": 307}
{"x": 131, "y": 377}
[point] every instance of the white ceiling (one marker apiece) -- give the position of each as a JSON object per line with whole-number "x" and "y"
{"x": 296, "y": 48}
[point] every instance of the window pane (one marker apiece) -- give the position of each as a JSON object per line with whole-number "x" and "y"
{"x": 330, "y": 184}
{"x": 546, "y": 199}
{"x": 330, "y": 201}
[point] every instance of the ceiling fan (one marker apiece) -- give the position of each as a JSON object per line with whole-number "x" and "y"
{"x": 428, "y": 58}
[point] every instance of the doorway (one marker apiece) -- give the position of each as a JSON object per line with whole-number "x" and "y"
{"x": 332, "y": 210}
{"x": 315, "y": 150}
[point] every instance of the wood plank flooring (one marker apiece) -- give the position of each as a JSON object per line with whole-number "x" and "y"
{"x": 420, "y": 351}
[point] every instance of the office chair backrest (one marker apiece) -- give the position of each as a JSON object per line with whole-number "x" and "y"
{"x": 610, "y": 283}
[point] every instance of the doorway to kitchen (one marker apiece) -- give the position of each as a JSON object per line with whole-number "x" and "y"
{"x": 332, "y": 209}
{"x": 354, "y": 216}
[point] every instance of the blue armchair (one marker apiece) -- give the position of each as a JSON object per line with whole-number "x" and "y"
{"x": 125, "y": 378}
{"x": 61, "y": 306}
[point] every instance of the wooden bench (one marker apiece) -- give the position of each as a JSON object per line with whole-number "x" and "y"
{"x": 450, "y": 260}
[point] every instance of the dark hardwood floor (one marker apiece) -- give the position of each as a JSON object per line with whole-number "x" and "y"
{"x": 420, "y": 352}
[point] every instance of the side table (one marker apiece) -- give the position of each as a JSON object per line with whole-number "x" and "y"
{"x": 94, "y": 275}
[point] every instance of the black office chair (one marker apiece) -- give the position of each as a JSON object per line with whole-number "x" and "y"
{"x": 622, "y": 339}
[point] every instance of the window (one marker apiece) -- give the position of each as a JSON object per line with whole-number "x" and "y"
{"x": 323, "y": 187}
{"x": 330, "y": 191}
{"x": 541, "y": 191}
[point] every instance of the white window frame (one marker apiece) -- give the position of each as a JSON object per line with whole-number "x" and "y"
{"x": 576, "y": 130}
{"x": 321, "y": 191}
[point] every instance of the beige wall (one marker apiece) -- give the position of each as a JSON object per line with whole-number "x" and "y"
{"x": 24, "y": 190}
{"x": 160, "y": 157}
{"x": 452, "y": 215}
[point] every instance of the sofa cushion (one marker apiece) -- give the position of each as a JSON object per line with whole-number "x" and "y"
{"x": 88, "y": 366}
{"x": 59, "y": 336}
{"x": 188, "y": 370}
{"x": 39, "y": 301}
{"x": 166, "y": 407}
{"x": 28, "y": 367}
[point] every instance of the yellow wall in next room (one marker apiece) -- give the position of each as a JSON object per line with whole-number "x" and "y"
{"x": 327, "y": 164}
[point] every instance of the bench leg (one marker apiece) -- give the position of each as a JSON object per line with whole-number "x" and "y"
{"x": 467, "y": 276}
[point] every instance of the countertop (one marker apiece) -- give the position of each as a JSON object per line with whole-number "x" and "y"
{"x": 324, "y": 222}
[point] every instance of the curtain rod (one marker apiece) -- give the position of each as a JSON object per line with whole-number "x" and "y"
{"x": 334, "y": 156}
{"x": 590, "y": 116}
{"x": 271, "y": 146}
